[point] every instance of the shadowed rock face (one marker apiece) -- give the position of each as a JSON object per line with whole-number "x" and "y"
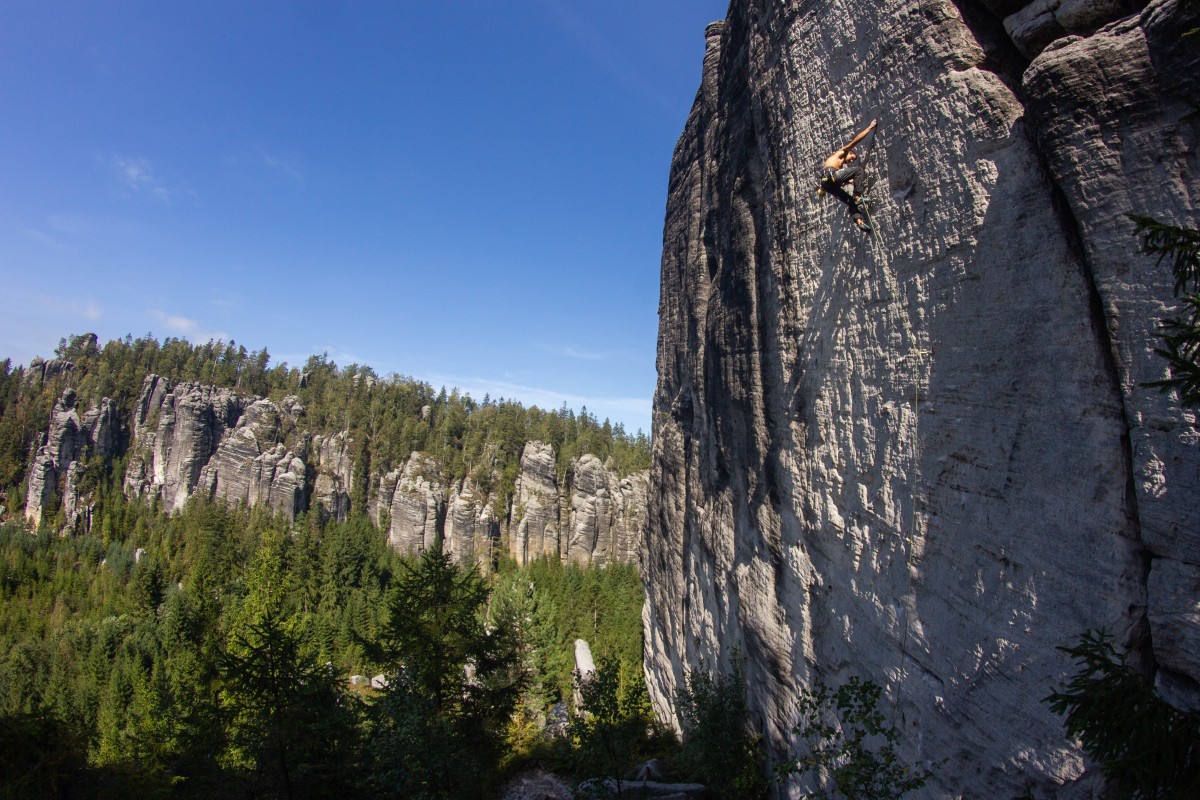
{"x": 925, "y": 459}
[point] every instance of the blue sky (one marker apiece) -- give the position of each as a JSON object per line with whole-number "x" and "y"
{"x": 469, "y": 193}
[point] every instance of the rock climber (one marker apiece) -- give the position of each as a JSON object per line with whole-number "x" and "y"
{"x": 841, "y": 168}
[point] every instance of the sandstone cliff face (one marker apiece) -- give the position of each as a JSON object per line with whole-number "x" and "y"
{"x": 251, "y": 466}
{"x": 245, "y": 450}
{"x": 472, "y": 530}
{"x": 415, "y": 500}
{"x": 535, "y": 506}
{"x": 594, "y": 518}
{"x": 335, "y": 474}
{"x": 606, "y": 514}
{"x": 926, "y": 459}
{"x": 59, "y": 460}
{"x": 177, "y": 430}
{"x": 193, "y": 438}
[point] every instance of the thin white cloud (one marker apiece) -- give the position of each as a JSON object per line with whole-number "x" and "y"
{"x": 187, "y": 328}
{"x": 569, "y": 351}
{"x": 634, "y": 412}
{"x": 62, "y": 306}
{"x": 138, "y": 176}
{"x": 282, "y": 165}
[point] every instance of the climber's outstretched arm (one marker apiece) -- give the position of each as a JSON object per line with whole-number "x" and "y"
{"x": 860, "y": 136}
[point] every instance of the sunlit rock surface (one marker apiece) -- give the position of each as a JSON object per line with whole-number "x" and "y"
{"x": 928, "y": 458}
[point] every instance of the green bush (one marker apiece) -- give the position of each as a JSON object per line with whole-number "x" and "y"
{"x": 851, "y": 746}
{"x": 719, "y": 749}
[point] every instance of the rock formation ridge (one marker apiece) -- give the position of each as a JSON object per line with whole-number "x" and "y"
{"x": 66, "y": 452}
{"x": 929, "y": 458}
{"x": 190, "y": 438}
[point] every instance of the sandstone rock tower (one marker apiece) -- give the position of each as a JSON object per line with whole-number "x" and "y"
{"x": 927, "y": 460}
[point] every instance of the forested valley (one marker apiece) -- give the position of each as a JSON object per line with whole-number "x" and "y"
{"x": 226, "y": 651}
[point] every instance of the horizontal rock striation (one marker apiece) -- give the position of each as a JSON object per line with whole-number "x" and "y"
{"x": 251, "y": 466}
{"x": 928, "y": 458}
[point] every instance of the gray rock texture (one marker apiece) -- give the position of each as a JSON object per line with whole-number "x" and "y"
{"x": 472, "y": 528}
{"x": 535, "y": 527}
{"x": 40, "y": 371}
{"x": 926, "y": 458}
{"x": 251, "y": 451}
{"x": 594, "y": 517}
{"x": 252, "y": 467}
{"x": 607, "y": 514}
{"x": 335, "y": 474}
{"x": 59, "y": 459}
{"x": 176, "y": 431}
{"x": 415, "y": 499}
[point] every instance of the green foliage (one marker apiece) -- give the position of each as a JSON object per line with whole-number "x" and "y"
{"x": 1180, "y": 335}
{"x": 290, "y": 721}
{"x": 616, "y": 729}
{"x": 419, "y": 753}
{"x": 601, "y": 606}
{"x": 205, "y": 653}
{"x": 851, "y": 746}
{"x": 387, "y": 419}
{"x": 1145, "y": 747}
{"x": 454, "y": 682}
{"x": 206, "y": 646}
{"x": 719, "y": 749}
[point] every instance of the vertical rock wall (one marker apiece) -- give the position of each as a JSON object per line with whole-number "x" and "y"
{"x": 59, "y": 459}
{"x": 925, "y": 458}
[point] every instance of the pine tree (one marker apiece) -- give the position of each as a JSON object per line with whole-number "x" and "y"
{"x": 1180, "y": 335}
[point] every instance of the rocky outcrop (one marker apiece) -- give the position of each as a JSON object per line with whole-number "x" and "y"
{"x": 535, "y": 528}
{"x": 595, "y": 517}
{"x": 927, "y": 458}
{"x": 1037, "y": 24}
{"x": 335, "y": 474}
{"x": 415, "y": 500}
{"x": 472, "y": 528}
{"x": 252, "y": 467}
{"x": 177, "y": 430}
{"x": 40, "y": 372}
{"x": 60, "y": 459}
{"x": 251, "y": 451}
{"x": 1116, "y": 118}
{"x": 607, "y": 515}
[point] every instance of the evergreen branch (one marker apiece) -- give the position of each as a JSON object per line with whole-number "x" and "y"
{"x": 1181, "y": 245}
{"x": 1146, "y": 747}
